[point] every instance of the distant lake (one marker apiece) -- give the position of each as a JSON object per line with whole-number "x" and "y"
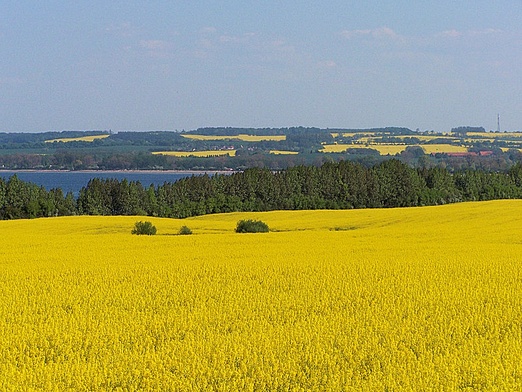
{"x": 73, "y": 181}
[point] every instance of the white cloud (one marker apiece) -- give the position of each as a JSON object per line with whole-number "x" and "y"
{"x": 237, "y": 39}
{"x": 123, "y": 30}
{"x": 253, "y": 53}
{"x": 349, "y": 34}
{"x": 327, "y": 64}
{"x": 249, "y": 44}
{"x": 453, "y": 33}
{"x": 450, "y": 33}
{"x": 384, "y": 32}
{"x": 484, "y": 32}
{"x": 280, "y": 46}
{"x": 156, "y": 48}
{"x": 154, "y": 44}
{"x": 378, "y": 33}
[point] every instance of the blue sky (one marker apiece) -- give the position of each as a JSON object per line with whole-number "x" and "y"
{"x": 164, "y": 65}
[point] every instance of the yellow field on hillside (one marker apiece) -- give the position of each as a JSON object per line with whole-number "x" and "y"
{"x": 368, "y": 139}
{"x": 209, "y": 153}
{"x": 78, "y": 139}
{"x": 246, "y": 138}
{"x": 384, "y": 149}
{"x": 280, "y": 152}
{"x": 477, "y": 140}
{"x": 442, "y": 148}
{"x": 392, "y": 149}
{"x": 426, "y": 137}
{"x": 399, "y": 299}
{"x": 369, "y": 136}
{"x": 496, "y": 135}
{"x": 351, "y": 134}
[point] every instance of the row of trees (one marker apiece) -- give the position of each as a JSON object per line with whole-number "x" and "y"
{"x": 340, "y": 185}
{"x": 19, "y": 199}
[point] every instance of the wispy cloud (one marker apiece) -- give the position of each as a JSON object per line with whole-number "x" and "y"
{"x": 383, "y": 32}
{"x": 212, "y": 42}
{"x": 453, "y": 33}
{"x": 280, "y": 47}
{"x": 129, "y": 38}
{"x": 462, "y": 53}
{"x": 450, "y": 33}
{"x": 327, "y": 64}
{"x": 155, "y": 44}
{"x": 236, "y": 39}
{"x": 255, "y": 53}
{"x": 156, "y": 48}
{"x": 382, "y": 35}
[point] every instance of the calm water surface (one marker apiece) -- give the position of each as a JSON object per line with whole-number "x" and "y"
{"x": 73, "y": 181}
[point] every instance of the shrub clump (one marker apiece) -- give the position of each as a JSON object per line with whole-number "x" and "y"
{"x": 184, "y": 231}
{"x": 144, "y": 228}
{"x": 251, "y": 226}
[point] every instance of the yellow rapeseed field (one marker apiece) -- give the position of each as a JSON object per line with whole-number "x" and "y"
{"x": 496, "y": 135}
{"x": 392, "y": 149}
{"x": 413, "y": 299}
{"x": 352, "y": 134}
{"x": 442, "y": 148}
{"x": 78, "y": 139}
{"x": 384, "y": 149}
{"x": 246, "y": 138}
{"x": 282, "y": 152}
{"x": 478, "y": 140}
{"x": 208, "y": 153}
{"x": 427, "y": 137}
{"x": 372, "y": 136}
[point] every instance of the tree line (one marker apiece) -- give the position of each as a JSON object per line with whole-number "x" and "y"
{"x": 333, "y": 185}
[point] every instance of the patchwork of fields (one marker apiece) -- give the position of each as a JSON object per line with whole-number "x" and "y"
{"x": 448, "y": 143}
{"x": 399, "y": 299}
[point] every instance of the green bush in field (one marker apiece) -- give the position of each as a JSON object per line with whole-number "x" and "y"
{"x": 184, "y": 231}
{"x": 144, "y": 228}
{"x": 251, "y": 226}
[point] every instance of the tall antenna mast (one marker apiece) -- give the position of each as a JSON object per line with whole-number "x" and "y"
{"x": 498, "y": 122}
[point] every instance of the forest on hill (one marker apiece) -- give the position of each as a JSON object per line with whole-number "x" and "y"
{"x": 333, "y": 185}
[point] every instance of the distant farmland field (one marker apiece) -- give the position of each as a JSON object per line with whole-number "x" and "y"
{"x": 426, "y": 137}
{"x": 419, "y": 299}
{"x": 392, "y": 149}
{"x": 211, "y": 153}
{"x": 279, "y": 152}
{"x": 78, "y": 139}
{"x": 496, "y": 135}
{"x": 384, "y": 149}
{"x": 246, "y": 138}
{"x": 442, "y": 148}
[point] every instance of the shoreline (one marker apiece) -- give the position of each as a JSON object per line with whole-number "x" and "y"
{"x": 119, "y": 171}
